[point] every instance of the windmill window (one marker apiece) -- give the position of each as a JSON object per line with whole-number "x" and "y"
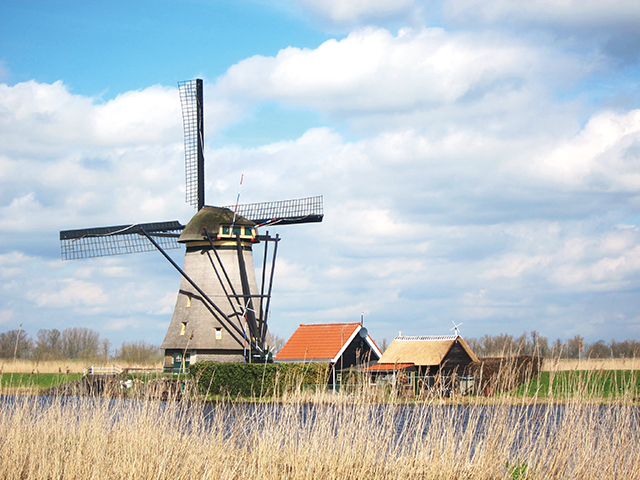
{"x": 236, "y": 231}
{"x": 188, "y": 301}
{"x": 184, "y": 328}
{"x": 218, "y": 334}
{"x": 247, "y": 230}
{"x": 225, "y": 230}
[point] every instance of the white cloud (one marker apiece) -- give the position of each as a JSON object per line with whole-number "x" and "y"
{"x": 341, "y": 11}
{"x": 374, "y": 71}
{"x": 5, "y": 316}
{"x": 45, "y": 119}
{"x": 564, "y": 12}
{"x": 71, "y": 292}
{"x": 123, "y": 324}
{"x": 604, "y": 156}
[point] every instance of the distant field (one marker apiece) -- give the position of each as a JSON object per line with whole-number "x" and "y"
{"x": 592, "y": 364}
{"x": 55, "y": 366}
{"x": 603, "y": 384}
{"x": 36, "y": 380}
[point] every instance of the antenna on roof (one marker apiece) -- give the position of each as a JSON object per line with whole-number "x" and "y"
{"x": 235, "y": 210}
{"x": 455, "y": 328}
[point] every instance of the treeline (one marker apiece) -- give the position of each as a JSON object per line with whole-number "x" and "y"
{"x": 535, "y": 344}
{"x": 73, "y": 343}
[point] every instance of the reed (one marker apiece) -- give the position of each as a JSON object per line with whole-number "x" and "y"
{"x": 592, "y": 364}
{"x": 317, "y": 436}
{"x": 54, "y": 366}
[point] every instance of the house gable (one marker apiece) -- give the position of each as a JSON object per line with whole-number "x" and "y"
{"x": 340, "y": 343}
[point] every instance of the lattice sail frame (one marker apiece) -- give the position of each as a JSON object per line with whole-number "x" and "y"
{"x": 118, "y": 240}
{"x": 300, "y": 210}
{"x": 192, "y": 121}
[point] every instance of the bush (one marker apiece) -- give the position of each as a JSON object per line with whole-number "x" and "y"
{"x": 256, "y": 379}
{"x": 502, "y": 374}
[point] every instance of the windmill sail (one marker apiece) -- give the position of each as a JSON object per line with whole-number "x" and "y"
{"x": 191, "y": 98}
{"x": 284, "y": 212}
{"x": 118, "y": 240}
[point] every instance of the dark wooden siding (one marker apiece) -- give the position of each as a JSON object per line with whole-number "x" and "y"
{"x": 456, "y": 360}
{"x": 357, "y": 353}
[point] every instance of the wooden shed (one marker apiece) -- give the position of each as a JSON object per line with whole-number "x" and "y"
{"x": 438, "y": 354}
{"x": 421, "y": 360}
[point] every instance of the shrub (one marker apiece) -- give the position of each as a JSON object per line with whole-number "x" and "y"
{"x": 257, "y": 379}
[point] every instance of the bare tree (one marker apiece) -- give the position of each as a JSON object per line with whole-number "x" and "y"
{"x": 15, "y": 343}
{"x": 574, "y": 347}
{"x": 139, "y": 352}
{"x": 598, "y": 349}
{"x": 80, "y": 342}
{"x": 48, "y": 345}
{"x": 105, "y": 348}
{"x": 278, "y": 343}
{"x": 626, "y": 348}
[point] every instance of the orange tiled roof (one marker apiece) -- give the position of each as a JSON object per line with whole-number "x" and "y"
{"x": 317, "y": 342}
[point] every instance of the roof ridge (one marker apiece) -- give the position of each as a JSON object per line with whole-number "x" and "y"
{"x": 426, "y": 337}
{"x": 336, "y": 323}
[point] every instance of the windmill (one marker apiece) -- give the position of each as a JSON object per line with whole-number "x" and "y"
{"x": 221, "y": 313}
{"x": 455, "y": 329}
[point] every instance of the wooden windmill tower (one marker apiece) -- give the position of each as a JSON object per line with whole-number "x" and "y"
{"x": 221, "y": 310}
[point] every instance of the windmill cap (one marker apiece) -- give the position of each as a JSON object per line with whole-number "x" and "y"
{"x": 210, "y": 218}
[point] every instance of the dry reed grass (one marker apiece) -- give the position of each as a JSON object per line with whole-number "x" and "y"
{"x": 307, "y": 435}
{"x": 115, "y": 439}
{"x": 53, "y": 366}
{"x": 591, "y": 364}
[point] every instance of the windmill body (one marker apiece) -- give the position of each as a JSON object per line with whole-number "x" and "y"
{"x": 221, "y": 308}
{"x": 224, "y": 270}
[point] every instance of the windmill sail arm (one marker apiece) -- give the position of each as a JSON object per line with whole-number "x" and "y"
{"x": 284, "y": 212}
{"x": 288, "y": 220}
{"x": 158, "y": 229}
{"x": 117, "y": 239}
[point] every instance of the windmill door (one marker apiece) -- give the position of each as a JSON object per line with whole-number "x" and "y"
{"x": 177, "y": 362}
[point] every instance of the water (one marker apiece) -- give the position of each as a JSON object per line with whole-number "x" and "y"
{"x": 401, "y": 426}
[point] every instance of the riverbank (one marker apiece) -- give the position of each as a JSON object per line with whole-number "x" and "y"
{"x": 592, "y": 387}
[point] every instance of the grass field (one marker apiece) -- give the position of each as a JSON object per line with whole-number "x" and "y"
{"x": 603, "y": 385}
{"x": 37, "y": 380}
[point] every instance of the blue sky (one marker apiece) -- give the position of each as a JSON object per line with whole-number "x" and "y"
{"x": 480, "y": 160}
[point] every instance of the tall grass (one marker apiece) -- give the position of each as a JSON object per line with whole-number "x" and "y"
{"x": 117, "y": 439}
{"x": 307, "y": 435}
